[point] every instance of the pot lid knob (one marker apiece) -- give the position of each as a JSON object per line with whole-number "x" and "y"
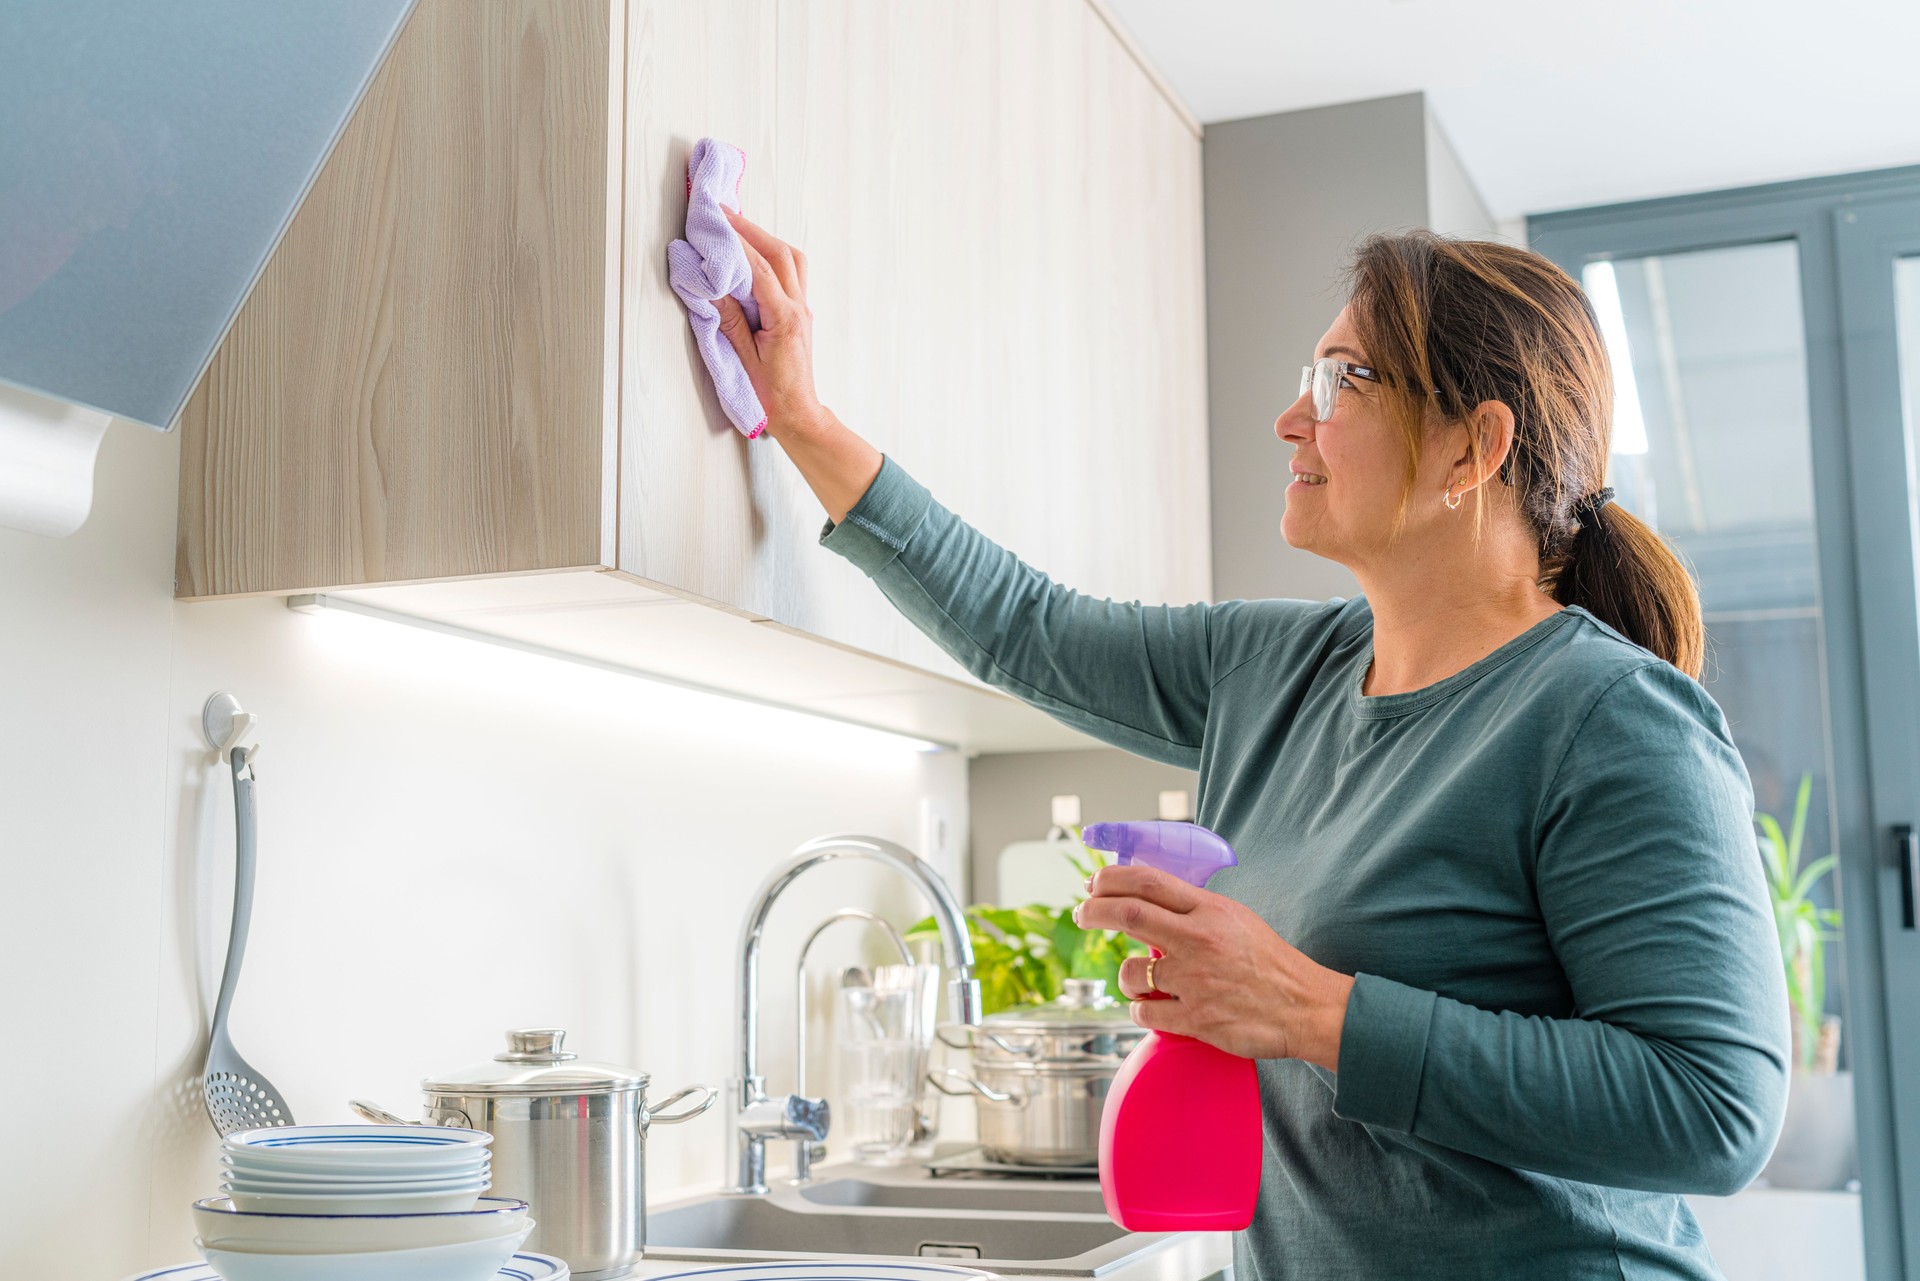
{"x": 1085, "y": 994}
{"x": 535, "y": 1045}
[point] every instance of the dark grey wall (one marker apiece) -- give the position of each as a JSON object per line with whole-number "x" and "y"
{"x": 1010, "y": 796}
{"x": 1287, "y": 196}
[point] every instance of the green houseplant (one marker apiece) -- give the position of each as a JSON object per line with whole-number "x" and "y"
{"x": 1816, "y": 1149}
{"x": 1805, "y": 930}
{"x": 1023, "y": 955}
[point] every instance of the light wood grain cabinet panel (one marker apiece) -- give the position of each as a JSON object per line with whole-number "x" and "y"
{"x": 1001, "y": 214}
{"x": 695, "y": 496}
{"x": 414, "y": 387}
{"x": 465, "y": 359}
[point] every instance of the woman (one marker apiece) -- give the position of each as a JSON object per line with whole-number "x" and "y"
{"x": 1498, "y": 937}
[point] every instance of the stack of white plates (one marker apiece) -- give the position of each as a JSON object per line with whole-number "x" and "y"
{"x": 359, "y": 1203}
{"x": 356, "y": 1169}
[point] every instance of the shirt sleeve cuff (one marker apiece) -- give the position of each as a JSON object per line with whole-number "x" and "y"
{"x": 879, "y": 526}
{"x": 1383, "y": 1050}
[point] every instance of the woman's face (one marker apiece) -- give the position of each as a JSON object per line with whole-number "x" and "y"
{"x": 1350, "y": 471}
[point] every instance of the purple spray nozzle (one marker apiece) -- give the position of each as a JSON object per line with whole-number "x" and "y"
{"x": 1187, "y": 850}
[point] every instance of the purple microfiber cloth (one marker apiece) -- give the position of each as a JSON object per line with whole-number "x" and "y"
{"x": 710, "y": 264}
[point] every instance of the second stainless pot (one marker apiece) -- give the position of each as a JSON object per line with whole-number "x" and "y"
{"x": 1041, "y": 1074}
{"x": 569, "y": 1138}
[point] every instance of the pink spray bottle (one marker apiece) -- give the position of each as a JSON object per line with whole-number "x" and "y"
{"x": 1180, "y": 1137}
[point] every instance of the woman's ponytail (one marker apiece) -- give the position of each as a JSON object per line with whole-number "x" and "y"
{"x": 1625, "y": 575}
{"x": 1468, "y": 321}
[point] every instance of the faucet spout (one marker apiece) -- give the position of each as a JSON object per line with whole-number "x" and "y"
{"x": 751, "y": 1121}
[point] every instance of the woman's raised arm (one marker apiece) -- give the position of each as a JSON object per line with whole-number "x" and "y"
{"x": 1133, "y": 675}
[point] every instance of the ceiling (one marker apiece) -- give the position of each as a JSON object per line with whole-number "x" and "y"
{"x": 1555, "y": 106}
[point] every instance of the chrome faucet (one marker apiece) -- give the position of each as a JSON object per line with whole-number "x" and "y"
{"x": 754, "y": 1117}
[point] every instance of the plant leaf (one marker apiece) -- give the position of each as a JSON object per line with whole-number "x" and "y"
{"x": 1773, "y": 849}
{"x": 1811, "y": 874}
{"x": 1799, "y": 820}
{"x": 1004, "y": 919}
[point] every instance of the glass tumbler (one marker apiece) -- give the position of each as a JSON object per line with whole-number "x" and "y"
{"x": 885, "y": 1038}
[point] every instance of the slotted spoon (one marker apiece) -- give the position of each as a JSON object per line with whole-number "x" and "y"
{"x": 238, "y": 1097}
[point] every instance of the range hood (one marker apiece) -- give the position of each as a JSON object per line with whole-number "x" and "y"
{"x": 150, "y": 156}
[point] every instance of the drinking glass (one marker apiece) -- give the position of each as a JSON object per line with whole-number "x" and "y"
{"x": 885, "y": 1038}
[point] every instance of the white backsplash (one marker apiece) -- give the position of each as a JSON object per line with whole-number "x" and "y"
{"x": 454, "y": 840}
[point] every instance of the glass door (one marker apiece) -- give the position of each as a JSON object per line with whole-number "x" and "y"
{"x": 1714, "y": 445}
{"x": 1878, "y": 270}
{"x": 1766, "y": 346}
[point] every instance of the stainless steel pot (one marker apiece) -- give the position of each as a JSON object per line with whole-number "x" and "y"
{"x": 569, "y": 1138}
{"x": 1041, "y": 1073}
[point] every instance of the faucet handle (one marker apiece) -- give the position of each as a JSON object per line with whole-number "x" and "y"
{"x": 791, "y": 1116}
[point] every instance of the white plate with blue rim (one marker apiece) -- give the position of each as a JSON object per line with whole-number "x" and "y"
{"x": 831, "y": 1270}
{"x": 414, "y": 1148}
{"x": 524, "y": 1266}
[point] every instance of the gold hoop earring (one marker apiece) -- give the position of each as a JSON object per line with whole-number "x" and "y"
{"x": 1453, "y": 504}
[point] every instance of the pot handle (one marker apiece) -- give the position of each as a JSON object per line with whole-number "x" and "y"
{"x": 1028, "y": 1051}
{"x": 377, "y": 1114}
{"x": 972, "y": 1086}
{"x": 659, "y": 1116}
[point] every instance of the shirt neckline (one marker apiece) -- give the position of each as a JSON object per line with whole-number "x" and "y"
{"x": 1381, "y": 706}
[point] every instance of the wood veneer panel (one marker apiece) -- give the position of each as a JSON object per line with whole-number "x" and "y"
{"x": 414, "y": 389}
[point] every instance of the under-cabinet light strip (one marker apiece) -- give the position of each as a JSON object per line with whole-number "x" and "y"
{"x": 314, "y": 603}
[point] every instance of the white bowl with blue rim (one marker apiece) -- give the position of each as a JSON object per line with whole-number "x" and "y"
{"x": 465, "y": 1197}
{"x": 459, "y": 1261}
{"x": 222, "y": 1225}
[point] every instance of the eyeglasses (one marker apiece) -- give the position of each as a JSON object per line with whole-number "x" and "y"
{"x": 1322, "y": 378}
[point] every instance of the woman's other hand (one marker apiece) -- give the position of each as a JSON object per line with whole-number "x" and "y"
{"x": 1225, "y": 977}
{"x": 779, "y": 355}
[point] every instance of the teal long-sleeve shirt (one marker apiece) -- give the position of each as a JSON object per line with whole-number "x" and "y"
{"x": 1569, "y": 1005}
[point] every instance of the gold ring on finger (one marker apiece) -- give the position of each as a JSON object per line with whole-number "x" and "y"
{"x": 1151, "y": 962}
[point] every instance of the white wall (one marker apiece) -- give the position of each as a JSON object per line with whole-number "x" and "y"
{"x": 455, "y": 840}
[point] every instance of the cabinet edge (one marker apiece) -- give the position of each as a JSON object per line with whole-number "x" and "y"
{"x": 1139, "y": 56}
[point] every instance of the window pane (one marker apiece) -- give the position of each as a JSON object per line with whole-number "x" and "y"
{"x": 1713, "y": 447}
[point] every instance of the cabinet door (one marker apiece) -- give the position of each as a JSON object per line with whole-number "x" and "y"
{"x": 416, "y": 386}
{"x": 697, "y": 500}
{"x": 1002, "y": 219}
{"x": 1138, "y": 520}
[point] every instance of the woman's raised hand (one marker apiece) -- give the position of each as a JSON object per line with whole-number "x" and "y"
{"x": 779, "y": 355}
{"x": 1225, "y": 977}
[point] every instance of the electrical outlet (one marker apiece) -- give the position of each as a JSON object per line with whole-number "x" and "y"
{"x": 936, "y": 834}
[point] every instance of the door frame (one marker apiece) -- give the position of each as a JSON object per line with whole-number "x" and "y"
{"x": 1870, "y": 235}
{"x": 1807, "y": 213}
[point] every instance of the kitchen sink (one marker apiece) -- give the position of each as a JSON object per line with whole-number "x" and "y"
{"x": 1007, "y": 1229}
{"x": 949, "y": 1195}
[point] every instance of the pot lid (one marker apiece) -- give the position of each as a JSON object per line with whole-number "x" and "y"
{"x": 1083, "y": 1003}
{"x": 535, "y": 1063}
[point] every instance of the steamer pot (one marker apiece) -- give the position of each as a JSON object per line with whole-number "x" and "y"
{"x": 1040, "y": 1075}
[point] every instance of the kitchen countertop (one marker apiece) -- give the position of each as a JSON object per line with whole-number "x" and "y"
{"x": 1175, "y": 1256}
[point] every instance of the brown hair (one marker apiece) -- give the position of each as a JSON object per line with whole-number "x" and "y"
{"x": 1474, "y": 321}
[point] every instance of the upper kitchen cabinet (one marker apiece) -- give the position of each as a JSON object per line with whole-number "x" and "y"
{"x": 464, "y": 360}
